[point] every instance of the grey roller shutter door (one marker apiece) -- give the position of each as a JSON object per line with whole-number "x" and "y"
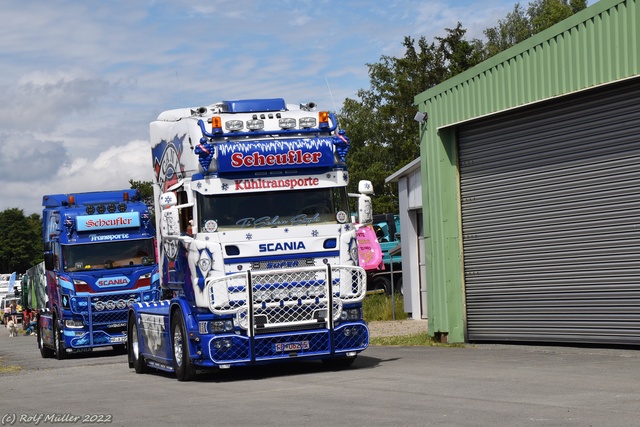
{"x": 551, "y": 220}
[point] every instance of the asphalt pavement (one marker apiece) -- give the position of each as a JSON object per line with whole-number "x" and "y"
{"x": 476, "y": 385}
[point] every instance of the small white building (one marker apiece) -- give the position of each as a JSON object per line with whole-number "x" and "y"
{"x": 412, "y": 239}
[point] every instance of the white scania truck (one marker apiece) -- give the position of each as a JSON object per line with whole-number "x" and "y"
{"x": 257, "y": 249}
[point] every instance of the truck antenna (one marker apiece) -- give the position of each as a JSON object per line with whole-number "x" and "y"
{"x": 331, "y": 94}
{"x": 178, "y": 84}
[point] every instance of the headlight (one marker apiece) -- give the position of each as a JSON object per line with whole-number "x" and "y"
{"x": 75, "y": 324}
{"x": 260, "y": 295}
{"x": 297, "y": 293}
{"x": 242, "y": 319}
{"x": 219, "y": 326}
{"x": 279, "y": 294}
{"x": 353, "y": 252}
{"x": 351, "y": 314}
{"x": 316, "y": 291}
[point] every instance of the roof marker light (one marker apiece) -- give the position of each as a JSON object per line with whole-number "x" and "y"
{"x": 323, "y": 116}
{"x": 216, "y": 124}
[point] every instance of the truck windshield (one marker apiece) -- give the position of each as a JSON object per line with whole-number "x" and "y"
{"x": 272, "y": 209}
{"x": 94, "y": 256}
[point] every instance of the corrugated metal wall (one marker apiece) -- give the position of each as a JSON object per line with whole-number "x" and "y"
{"x": 551, "y": 220}
{"x": 594, "y": 47}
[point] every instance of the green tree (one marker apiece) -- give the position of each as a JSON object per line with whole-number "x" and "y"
{"x": 545, "y": 13}
{"x": 520, "y": 25}
{"x": 510, "y": 31}
{"x": 380, "y": 123}
{"x": 20, "y": 241}
{"x": 384, "y": 136}
{"x": 146, "y": 190}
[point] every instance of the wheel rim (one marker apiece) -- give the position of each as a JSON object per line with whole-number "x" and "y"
{"x": 177, "y": 346}
{"x": 57, "y": 339}
{"x": 134, "y": 342}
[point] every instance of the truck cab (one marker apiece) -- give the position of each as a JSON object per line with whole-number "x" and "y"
{"x": 258, "y": 256}
{"x": 99, "y": 258}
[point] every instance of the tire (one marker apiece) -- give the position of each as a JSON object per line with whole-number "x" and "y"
{"x": 57, "y": 340}
{"x": 136, "y": 359}
{"x": 382, "y": 282}
{"x": 182, "y": 364}
{"x": 339, "y": 362}
{"x": 45, "y": 351}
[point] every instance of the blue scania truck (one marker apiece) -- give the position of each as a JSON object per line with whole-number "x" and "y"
{"x": 99, "y": 259}
{"x": 258, "y": 254}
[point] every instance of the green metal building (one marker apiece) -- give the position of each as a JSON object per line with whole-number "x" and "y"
{"x": 531, "y": 188}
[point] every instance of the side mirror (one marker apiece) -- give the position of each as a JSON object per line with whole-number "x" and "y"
{"x": 168, "y": 199}
{"x": 49, "y": 262}
{"x": 170, "y": 223}
{"x": 365, "y": 187}
{"x": 365, "y": 211}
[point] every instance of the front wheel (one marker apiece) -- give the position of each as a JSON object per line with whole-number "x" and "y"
{"x": 182, "y": 364}
{"x": 45, "y": 351}
{"x": 57, "y": 339}
{"x": 136, "y": 359}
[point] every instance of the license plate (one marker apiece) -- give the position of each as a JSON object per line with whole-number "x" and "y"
{"x": 292, "y": 346}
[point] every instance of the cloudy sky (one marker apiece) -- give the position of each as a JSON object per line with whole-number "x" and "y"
{"x": 81, "y": 80}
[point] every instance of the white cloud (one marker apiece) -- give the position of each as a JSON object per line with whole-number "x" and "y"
{"x": 40, "y": 101}
{"x": 24, "y": 158}
{"x": 81, "y": 81}
{"x": 31, "y": 175}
